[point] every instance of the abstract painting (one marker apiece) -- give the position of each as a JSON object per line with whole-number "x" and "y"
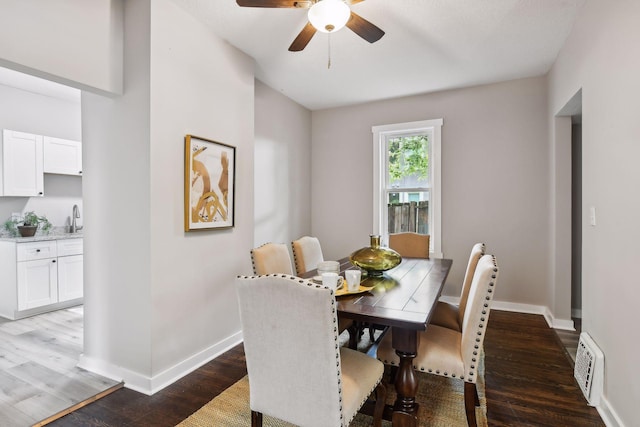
{"x": 209, "y": 184}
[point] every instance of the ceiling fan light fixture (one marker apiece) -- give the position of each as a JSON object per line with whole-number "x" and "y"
{"x": 329, "y": 15}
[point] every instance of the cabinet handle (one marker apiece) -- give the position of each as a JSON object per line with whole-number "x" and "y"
{"x": 40, "y": 193}
{"x": 53, "y": 260}
{"x": 37, "y": 250}
{"x": 80, "y": 172}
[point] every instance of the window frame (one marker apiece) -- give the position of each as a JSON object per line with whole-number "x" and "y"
{"x": 380, "y": 135}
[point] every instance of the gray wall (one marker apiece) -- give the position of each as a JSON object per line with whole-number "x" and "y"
{"x": 73, "y": 42}
{"x": 162, "y": 301}
{"x": 600, "y": 57}
{"x": 495, "y": 174}
{"x": 282, "y": 183}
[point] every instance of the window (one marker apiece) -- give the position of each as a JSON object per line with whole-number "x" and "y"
{"x": 406, "y": 177}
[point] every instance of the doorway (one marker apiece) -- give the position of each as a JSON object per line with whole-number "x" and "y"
{"x": 39, "y": 354}
{"x": 573, "y": 110}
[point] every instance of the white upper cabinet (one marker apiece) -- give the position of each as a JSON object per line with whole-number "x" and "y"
{"x": 62, "y": 156}
{"x": 22, "y": 164}
{"x": 25, "y": 158}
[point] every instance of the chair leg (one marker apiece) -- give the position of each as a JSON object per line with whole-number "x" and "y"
{"x": 381, "y": 400}
{"x": 470, "y": 398}
{"x": 477, "y": 399}
{"x": 256, "y": 419}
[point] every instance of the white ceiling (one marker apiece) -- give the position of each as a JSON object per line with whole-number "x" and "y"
{"x": 429, "y": 45}
{"x": 37, "y": 85}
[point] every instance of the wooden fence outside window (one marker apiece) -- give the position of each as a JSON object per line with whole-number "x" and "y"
{"x": 412, "y": 216}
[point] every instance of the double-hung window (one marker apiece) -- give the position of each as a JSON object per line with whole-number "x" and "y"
{"x": 406, "y": 171}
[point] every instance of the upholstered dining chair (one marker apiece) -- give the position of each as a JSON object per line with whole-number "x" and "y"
{"x": 271, "y": 258}
{"x": 450, "y": 315}
{"x": 410, "y": 245}
{"x": 307, "y": 253}
{"x": 314, "y": 382}
{"x": 456, "y": 354}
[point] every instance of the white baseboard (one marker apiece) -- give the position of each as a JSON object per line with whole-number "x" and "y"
{"x": 100, "y": 367}
{"x": 608, "y": 415}
{"x": 150, "y": 385}
{"x": 566, "y": 324}
{"x": 450, "y": 300}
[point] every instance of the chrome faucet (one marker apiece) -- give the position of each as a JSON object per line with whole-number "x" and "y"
{"x": 76, "y": 214}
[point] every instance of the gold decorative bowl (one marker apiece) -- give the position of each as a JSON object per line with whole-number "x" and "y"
{"x": 375, "y": 259}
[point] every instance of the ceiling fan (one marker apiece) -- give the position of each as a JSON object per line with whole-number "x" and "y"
{"x": 324, "y": 15}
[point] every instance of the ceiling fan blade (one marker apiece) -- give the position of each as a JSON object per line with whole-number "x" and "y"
{"x": 303, "y": 38}
{"x": 275, "y": 3}
{"x": 364, "y": 28}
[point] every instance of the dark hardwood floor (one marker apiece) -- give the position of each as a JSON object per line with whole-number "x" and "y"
{"x": 529, "y": 382}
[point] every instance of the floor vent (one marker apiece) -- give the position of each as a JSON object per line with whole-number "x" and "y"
{"x": 589, "y": 369}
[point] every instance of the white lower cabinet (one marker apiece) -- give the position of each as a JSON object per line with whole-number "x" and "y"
{"x": 37, "y": 283}
{"x": 40, "y": 276}
{"x": 69, "y": 277}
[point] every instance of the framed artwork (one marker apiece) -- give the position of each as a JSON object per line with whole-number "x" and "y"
{"x": 209, "y": 183}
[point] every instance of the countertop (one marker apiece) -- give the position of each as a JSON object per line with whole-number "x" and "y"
{"x": 53, "y": 235}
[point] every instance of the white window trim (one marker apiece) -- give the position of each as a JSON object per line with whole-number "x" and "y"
{"x": 380, "y": 133}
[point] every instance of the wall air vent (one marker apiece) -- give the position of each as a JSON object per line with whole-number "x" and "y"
{"x": 589, "y": 369}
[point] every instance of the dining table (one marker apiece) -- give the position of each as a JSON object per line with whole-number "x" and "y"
{"x": 402, "y": 298}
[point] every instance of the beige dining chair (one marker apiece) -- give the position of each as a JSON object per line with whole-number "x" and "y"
{"x": 456, "y": 354}
{"x": 307, "y": 253}
{"x": 450, "y": 315}
{"x": 410, "y": 245}
{"x": 271, "y": 258}
{"x": 314, "y": 382}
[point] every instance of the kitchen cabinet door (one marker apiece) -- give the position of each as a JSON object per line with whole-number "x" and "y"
{"x": 37, "y": 283}
{"x": 70, "y": 277}
{"x": 62, "y": 156}
{"x": 22, "y": 164}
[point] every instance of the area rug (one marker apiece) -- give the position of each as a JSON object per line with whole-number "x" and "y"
{"x": 441, "y": 404}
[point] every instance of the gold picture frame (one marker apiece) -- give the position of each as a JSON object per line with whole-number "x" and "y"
{"x": 209, "y": 184}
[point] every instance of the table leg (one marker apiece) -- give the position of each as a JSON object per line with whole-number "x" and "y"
{"x": 354, "y": 335}
{"x": 405, "y": 409}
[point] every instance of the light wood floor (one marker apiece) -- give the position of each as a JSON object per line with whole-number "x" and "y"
{"x": 38, "y": 372}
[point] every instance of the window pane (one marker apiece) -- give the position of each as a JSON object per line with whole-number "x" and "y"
{"x": 408, "y": 211}
{"x": 407, "y": 161}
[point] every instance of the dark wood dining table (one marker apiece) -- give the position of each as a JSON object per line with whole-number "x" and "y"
{"x": 404, "y": 299}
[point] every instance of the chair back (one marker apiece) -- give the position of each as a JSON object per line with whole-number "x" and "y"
{"x": 307, "y": 253}
{"x": 410, "y": 245}
{"x": 292, "y": 355}
{"x": 271, "y": 258}
{"x": 476, "y": 314}
{"x": 477, "y": 252}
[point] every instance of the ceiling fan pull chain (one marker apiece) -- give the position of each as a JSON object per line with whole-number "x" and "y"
{"x": 329, "y": 50}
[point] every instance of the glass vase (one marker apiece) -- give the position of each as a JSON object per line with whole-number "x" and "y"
{"x": 375, "y": 259}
